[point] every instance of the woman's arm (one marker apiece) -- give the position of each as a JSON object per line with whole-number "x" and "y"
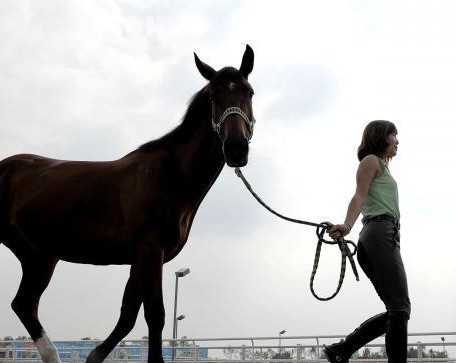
{"x": 368, "y": 169}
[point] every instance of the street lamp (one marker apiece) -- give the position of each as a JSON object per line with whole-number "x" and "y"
{"x": 180, "y": 317}
{"x": 443, "y": 342}
{"x": 180, "y": 273}
{"x": 280, "y": 340}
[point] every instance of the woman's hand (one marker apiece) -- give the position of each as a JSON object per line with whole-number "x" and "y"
{"x": 339, "y": 230}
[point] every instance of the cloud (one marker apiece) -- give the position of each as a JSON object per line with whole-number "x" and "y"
{"x": 93, "y": 80}
{"x": 299, "y": 92}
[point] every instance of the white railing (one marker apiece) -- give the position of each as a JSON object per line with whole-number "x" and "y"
{"x": 423, "y": 347}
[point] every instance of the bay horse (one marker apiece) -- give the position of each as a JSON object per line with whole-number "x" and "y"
{"x": 137, "y": 210}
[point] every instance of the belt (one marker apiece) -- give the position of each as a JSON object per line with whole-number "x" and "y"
{"x": 382, "y": 217}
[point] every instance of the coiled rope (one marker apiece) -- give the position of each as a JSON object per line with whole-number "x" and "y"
{"x": 321, "y": 228}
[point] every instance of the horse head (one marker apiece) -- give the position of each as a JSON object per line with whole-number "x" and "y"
{"x": 231, "y": 99}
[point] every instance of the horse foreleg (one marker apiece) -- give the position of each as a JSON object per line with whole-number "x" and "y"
{"x": 131, "y": 304}
{"x": 36, "y": 274}
{"x": 150, "y": 269}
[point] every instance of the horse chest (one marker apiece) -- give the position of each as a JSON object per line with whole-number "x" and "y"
{"x": 185, "y": 225}
{"x": 174, "y": 242}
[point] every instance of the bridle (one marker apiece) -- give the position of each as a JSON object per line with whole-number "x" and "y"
{"x": 229, "y": 111}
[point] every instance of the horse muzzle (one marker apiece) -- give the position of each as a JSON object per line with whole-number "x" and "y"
{"x": 236, "y": 152}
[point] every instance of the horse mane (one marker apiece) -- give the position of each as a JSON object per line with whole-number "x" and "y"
{"x": 198, "y": 110}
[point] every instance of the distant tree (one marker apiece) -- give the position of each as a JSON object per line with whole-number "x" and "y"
{"x": 231, "y": 353}
{"x": 6, "y": 342}
{"x": 366, "y": 353}
{"x": 22, "y": 337}
{"x": 412, "y": 352}
{"x": 313, "y": 353}
{"x": 86, "y": 338}
{"x": 263, "y": 354}
{"x": 236, "y": 353}
{"x": 437, "y": 354}
{"x": 184, "y": 342}
{"x": 282, "y": 355}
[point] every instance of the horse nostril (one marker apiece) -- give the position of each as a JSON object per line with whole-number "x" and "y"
{"x": 238, "y": 145}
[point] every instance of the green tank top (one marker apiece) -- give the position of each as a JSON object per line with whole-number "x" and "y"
{"x": 382, "y": 197}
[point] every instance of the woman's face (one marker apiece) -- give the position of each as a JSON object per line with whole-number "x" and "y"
{"x": 391, "y": 149}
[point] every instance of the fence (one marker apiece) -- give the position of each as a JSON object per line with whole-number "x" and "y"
{"x": 423, "y": 347}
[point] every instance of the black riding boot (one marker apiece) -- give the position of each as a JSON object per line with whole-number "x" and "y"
{"x": 366, "y": 332}
{"x": 396, "y": 338}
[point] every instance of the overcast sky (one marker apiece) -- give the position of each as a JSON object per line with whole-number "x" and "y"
{"x": 93, "y": 80}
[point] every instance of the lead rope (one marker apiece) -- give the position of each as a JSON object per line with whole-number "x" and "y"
{"x": 321, "y": 229}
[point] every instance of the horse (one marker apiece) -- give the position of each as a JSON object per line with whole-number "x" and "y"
{"x": 137, "y": 210}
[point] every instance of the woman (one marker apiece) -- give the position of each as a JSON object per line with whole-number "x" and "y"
{"x": 379, "y": 256}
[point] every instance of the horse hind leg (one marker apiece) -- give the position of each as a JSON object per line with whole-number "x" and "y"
{"x": 131, "y": 304}
{"x": 36, "y": 274}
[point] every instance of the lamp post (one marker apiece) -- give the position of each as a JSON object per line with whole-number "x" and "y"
{"x": 280, "y": 340}
{"x": 180, "y": 273}
{"x": 443, "y": 343}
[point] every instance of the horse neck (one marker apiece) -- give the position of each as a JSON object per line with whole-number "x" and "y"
{"x": 200, "y": 153}
{"x": 193, "y": 147}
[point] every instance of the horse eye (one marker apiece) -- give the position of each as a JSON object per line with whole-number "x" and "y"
{"x": 212, "y": 97}
{"x": 251, "y": 93}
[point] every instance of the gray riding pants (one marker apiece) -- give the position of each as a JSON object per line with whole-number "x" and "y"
{"x": 379, "y": 257}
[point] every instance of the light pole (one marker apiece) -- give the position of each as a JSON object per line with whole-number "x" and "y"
{"x": 180, "y": 273}
{"x": 443, "y": 343}
{"x": 280, "y": 340}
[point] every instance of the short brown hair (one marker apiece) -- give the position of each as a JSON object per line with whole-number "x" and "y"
{"x": 374, "y": 140}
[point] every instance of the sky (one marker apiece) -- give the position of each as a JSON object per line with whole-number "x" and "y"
{"x": 93, "y": 80}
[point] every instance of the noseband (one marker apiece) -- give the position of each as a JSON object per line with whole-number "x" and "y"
{"x": 233, "y": 110}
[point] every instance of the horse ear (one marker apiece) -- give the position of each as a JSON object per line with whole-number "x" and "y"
{"x": 247, "y": 62}
{"x": 206, "y": 70}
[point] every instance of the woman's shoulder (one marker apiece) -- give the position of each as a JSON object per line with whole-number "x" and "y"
{"x": 372, "y": 162}
{"x": 371, "y": 158}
